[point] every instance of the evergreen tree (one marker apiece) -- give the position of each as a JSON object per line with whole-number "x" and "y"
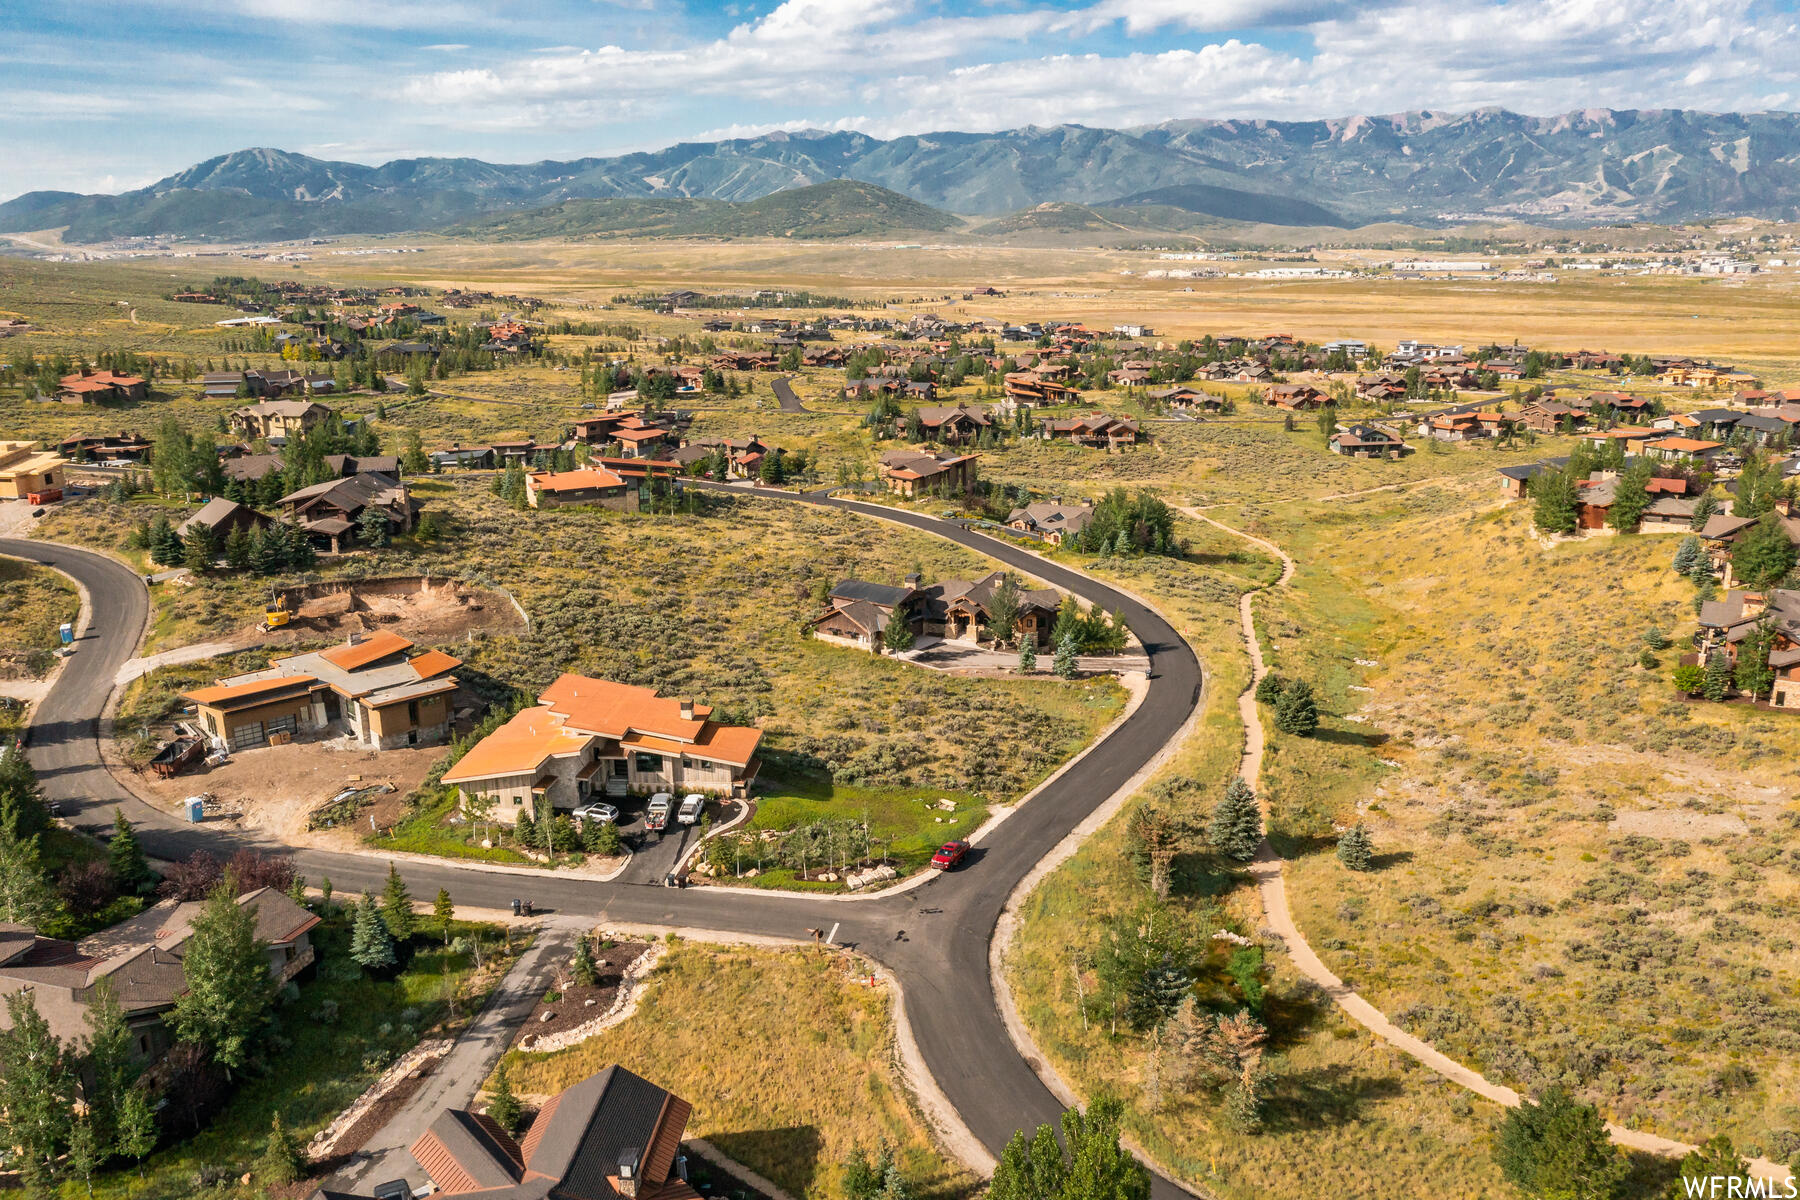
{"x": 372, "y": 528}
{"x": 23, "y": 812}
{"x": 1556, "y": 1148}
{"x": 1027, "y": 654}
{"x": 396, "y": 907}
{"x": 581, "y": 966}
{"x": 281, "y": 1162}
{"x": 165, "y": 544}
{"x": 1717, "y": 681}
{"x": 898, "y": 634}
{"x": 37, "y": 1086}
{"x": 413, "y": 461}
{"x": 26, "y": 897}
{"x": 1237, "y": 830}
{"x": 1268, "y": 689}
{"x": 198, "y": 549}
{"x": 1631, "y": 496}
{"x": 1763, "y": 555}
{"x": 226, "y": 970}
{"x": 371, "y": 945}
{"x": 1688, "y": 555}
{"x": 1356, "y": 849}
{"x": 237, "y": 549}
{"x": 1096, "y": 1168}
{"x": 1295, "y": 712}
{"x": 1553, "y": 499}
{"x": 525, "y": 829}
{"x": 1715, "y": 1158}
{"x": 443, "y": 912}
{"x": 503, "y": 1106}
{"x": 1063, "y": 661}
{"x": 602, "y": 838}
{"x": 1003, "y": 611}
{"x": 1704, "y": 510}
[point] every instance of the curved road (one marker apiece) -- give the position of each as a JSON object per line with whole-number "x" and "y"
{"x": 934, "y": 938}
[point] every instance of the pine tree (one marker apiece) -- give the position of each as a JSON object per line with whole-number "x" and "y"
{"x": 525, "y": 829}
{"x": 898, "y": 634}
{"x": 1027, "y": 654}
{"x": 1295, "y": 712}
{"x": 226, "y": 970}
{"x": 1553, "y": 496}
{"x": 602, "y": 838}
{"x": 371, "y": 945}
{"x": 1063, "y": 661}
{"x": 1717, "y": 682}
{"x": 1268, "y": 688}
{"x": 1557, "y": 1147}
{"x": 1003, "y": 611}
{"x": 1236, "y": 830}
{"x": 1688, "y": 555}
{"x": 281, "y": 1162}
{"x": 443, "y": 912}
{"x": 198, "y": 549}
{"x": 503, "y": 1106}
{"x": 1356, "y": 850}
{"x": 396, "y": 907}
{"x": 372, "y": 528}
{"x": 165, "y": 545}
{"x": 581, "y": 966}
{"x": 1704, "y": 510}
{"x": 125, "y": 854}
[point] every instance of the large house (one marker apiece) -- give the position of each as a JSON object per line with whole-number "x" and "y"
{"x": 140, "y": 959}
{"x": 911, "y": 472}
{"x": 858, "y": 612}
{"x": 1726, "y": 624}
{"x": 332, "y": 512}
{"x": 1094, "y": 429}
{"x": 275, "y": 421}
{"x": 101, "y": 447}
{"x": 591, "y": 737}
{"x": 1367, "y": 441}
{"x": 584, "y": 485}
{"x": 1295, "y": 397}
{"x": 954, "y": 423}
{"x": 743, "y": 456}
{"x": 26, "y": 471}
{"x": 372, "y": 688}
{"x": 1038, "y": 389}
{"x": 88, "y": 386}
{"x": 613, "y": 1136}
{"x": 1051, "y": 520}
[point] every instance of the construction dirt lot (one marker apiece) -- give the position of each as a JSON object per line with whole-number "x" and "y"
{"x": 429, "y": 611}
{"x": 271, "y": 789}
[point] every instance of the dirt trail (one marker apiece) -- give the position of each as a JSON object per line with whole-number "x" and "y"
{"x": 1271, "y": 887}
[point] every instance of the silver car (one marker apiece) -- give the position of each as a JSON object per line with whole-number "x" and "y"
{"x": 597, "y": 812}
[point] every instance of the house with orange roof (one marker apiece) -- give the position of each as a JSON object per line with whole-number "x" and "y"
{"x": 592, "y": 737}
{"x": 88, "y": 386}
{"x": 584, "y": 485}
{"x": 1683, "y": 449}
{"x": 373, "y": 689}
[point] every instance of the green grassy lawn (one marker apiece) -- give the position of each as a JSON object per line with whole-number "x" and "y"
{"x": 787, "y": 1057}
{"x": 425, "y": 831}
{"x": 312, "y": 1066}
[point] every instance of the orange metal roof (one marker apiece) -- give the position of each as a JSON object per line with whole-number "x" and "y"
{"x": 575, "y": 481}
{"x": 518, "y": 747}
{"x": 1686, "y": 445}
{"x": 615, "y": 709}
{"x": 224, "y": 694}
{"x": 433, "y": 662}
{"x": 370, "y": 649}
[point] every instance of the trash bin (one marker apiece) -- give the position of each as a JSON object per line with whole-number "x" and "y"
{"x": 516, "y": 907}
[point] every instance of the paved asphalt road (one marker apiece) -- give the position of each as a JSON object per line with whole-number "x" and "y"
{"x": 934, "y": 937}
{"x": 786, "y": 396}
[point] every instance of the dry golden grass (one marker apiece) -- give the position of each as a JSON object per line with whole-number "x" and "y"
{"x": 786, "y": 1057}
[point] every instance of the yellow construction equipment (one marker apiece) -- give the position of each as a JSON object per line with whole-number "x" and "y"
{"x": 276, "y": 614}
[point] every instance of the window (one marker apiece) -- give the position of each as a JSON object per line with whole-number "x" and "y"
{"x": 248, "y": 735}
{"x": 649, "y": 763}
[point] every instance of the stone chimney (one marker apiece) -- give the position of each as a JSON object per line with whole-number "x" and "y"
{"x": 626, "y": 1181}
{"x": 914, "y": 580}
{"x": 687, "y": 710}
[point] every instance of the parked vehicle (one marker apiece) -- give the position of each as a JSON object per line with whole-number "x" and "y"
{"x": 949, "y": 855}
{"x": 692, "y": 806}
{"x": 656, "y": 816}
{"x": 597, "y": 812}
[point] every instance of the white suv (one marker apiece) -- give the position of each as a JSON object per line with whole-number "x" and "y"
{"x": 692, "y": 806}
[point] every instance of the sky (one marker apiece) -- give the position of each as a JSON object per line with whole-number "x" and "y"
{"x": 108, "y": 95}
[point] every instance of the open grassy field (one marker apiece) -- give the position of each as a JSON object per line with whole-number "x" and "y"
{"x": 786, "y": 1095}
{"x": 1586, "y": 879}
{"x": 34, "y": 603}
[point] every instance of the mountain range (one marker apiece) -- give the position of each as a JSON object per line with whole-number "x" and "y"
{"x": 1585, "y": 167}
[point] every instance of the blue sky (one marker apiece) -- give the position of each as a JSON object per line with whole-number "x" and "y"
{"x": 104, "y": 95}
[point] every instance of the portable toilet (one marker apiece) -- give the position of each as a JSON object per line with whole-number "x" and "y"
{"x": 196, "y": 809}
{"x": 67, "y": 633}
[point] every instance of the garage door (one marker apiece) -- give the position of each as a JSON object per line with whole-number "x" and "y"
{"x": 285, "y": 724}
{"x": 246, "y": 736}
